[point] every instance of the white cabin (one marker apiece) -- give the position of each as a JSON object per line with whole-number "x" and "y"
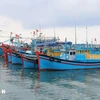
{"x": 71, "y": 54}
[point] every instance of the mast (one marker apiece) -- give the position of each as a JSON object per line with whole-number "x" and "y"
{"x": 40, "y": 28}
{"x": 75, "y": 34}
{"x": 86, "y": 36}
{"x": 54, "y": 35}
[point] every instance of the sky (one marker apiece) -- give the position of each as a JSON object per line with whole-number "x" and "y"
{"x": 23, "y": 16}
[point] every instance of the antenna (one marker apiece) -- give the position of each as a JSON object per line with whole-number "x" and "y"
{"x": 86, "y": 36}
{"x": 65, "y": 40}
{"x": 75, "y": 34}
{"x": 54, "y": 33}
{"x": 40, "y": 28}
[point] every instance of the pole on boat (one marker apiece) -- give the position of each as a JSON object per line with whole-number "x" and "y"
{"x": 65, "y": 40}
{"x": 40, "y": 28}
{"x": 75, "y": 34}
{"x": 54, "y": 33}
{"x": 86, "y": 36}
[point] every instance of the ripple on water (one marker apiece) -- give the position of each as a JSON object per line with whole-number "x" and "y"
{"x": 28, "y": 84}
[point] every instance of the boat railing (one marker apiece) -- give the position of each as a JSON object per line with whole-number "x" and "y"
{"x": 86, "y": 45}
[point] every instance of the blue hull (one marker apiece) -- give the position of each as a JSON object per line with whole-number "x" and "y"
{"x": 29, "y": 64}
{"x": 9, "y": 57}
{"x": 1, "y": 52}
{"x": 46, "y": 62}
{"x": 16, "y": 59}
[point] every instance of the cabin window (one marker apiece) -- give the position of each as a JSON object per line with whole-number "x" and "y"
{"x": 40, "y": 49}
{"x": 73, "y": 53}
{"x": 67, "y": 52}
{"x": 78, "y": 51}
{"x": 70, "y": 53}
{"x": 88, "y": 51}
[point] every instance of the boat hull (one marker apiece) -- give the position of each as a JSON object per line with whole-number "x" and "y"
{"x": 50, "y": 63}
{"x": 29, "y": 63}
{"x": 1, "y": 52}
{"x": 16, "y": 59}
{"x": 9, "y": 57}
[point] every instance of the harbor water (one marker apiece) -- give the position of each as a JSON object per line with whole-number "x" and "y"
{"x": 29, "y": 84}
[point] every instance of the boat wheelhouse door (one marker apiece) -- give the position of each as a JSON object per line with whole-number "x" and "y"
{"x": 72, "y": 54}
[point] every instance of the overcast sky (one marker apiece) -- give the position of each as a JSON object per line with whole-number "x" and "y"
{"x": 52, "y": 13}
{"x": 18, "y": 15}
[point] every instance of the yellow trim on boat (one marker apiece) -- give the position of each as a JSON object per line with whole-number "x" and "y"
{"x": 53, "y": 53}
{"x": 82, "y": 51}
{"x": 92, "y": 56}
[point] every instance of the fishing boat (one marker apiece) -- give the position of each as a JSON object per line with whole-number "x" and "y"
{"x": 1, "y": 51}
{"x": 29, "y": 58}
{"x": 80, "y": 58}
{"x": 29, "y": 61}
{"x": 9, "y": 57}
{"x": 15, "y": 58}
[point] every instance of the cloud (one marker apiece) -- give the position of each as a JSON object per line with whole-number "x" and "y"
{"x": 69, "y": 33}
{"x": 52, "y": 13}
{"x": 8, "y": 24}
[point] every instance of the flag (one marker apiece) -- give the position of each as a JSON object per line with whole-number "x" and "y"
{"x": 21, "y": 41}
{"x": 33, "y": 32}
{"x": 17, "y": 36}
{"x": 37, "y": 30}
{"x": 40, "y": 34}
{"x": 95, "y": 39}
{"x": 11, "y": 33}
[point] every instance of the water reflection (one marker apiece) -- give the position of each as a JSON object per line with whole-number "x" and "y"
{"x": 24, "y": 84}
{"x": 53, "y": 76}
{"x": 50, "y": 84}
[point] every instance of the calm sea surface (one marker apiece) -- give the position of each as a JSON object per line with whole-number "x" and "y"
{"x": 29, "y": 84}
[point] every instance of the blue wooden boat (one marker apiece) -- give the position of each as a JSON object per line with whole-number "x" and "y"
{"x": 29, "y": 58}
{"x": 51, "y": 63}
{"x": 1, "y": 52}
{"x": 9, "y": 57}
{"x": 47, "y": 42}
{"x": 84, "y": 58}
{"x": 30, "y": 61}
{"x": 15, "y": 58}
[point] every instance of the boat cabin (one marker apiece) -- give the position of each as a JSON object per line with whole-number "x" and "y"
{"x": 71, "y": 54}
